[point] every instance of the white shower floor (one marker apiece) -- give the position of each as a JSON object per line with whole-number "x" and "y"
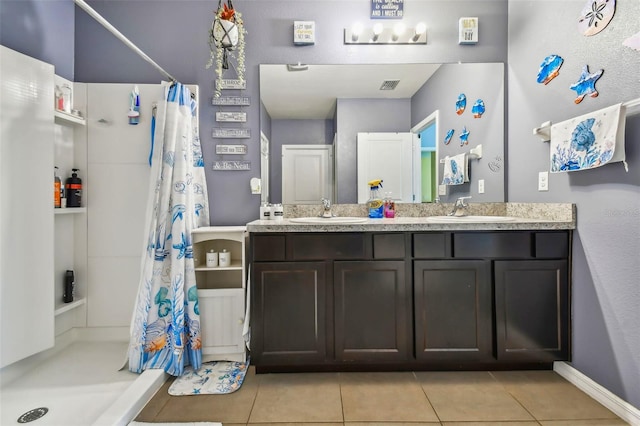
{"x": 78, "y": 385}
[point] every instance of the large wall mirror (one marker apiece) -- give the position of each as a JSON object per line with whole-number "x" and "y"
{"x": 313, "y": 118}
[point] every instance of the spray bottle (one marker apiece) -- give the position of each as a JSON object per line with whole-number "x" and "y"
{"x": 374, "y": 203}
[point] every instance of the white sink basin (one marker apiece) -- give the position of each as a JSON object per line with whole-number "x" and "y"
{"x": 328, "y": 220}
{"x": 470, "y": 219}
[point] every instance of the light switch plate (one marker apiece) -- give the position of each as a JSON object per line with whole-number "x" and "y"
{"x": 480, "y": 186}
{"x": 543, "y": 181}
{"x": 442, "y": 189}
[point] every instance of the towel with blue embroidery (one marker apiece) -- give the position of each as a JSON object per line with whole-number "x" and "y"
{"x": 456, "y": 170}
{"x": 588, "y": 141}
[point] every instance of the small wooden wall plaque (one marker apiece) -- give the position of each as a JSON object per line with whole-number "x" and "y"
{"x": 231, "y": 84}
{"x": 231, "y": 100}
{"x": 225, "y": 132}
{"x": 231, "y": 117}
{"x": 231, "y": 149}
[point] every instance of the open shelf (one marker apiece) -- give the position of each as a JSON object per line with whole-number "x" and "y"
{"x": 66, "y": 307}
{"x": 234, "y": 266}
{"x": 62, "y": 117}
{"x": 70, "y": 210}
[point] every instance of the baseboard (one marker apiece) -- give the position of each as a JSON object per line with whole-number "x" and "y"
{"x": 617, "y": 405}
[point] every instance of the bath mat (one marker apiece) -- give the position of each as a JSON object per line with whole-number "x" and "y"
{"x": 217, "y": 377}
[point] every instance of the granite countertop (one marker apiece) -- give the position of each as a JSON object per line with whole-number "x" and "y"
{"x": 414, "y": 217}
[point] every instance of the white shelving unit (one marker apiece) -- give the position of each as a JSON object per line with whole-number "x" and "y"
{"x": 221, "y": 292}
{"x": 70, "y": 227}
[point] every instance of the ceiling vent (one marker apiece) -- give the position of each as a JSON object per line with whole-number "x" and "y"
{"x": 389, "y": 84}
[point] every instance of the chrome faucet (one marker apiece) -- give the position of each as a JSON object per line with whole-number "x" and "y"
{"x": 459, "y": 207}
{"x": 326, "y": 208}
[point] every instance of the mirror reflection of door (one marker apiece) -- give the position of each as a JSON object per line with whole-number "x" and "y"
{"x": 391, "y": 157}
{"x": 307, "y": 173}
{"x": 427, "y": 130}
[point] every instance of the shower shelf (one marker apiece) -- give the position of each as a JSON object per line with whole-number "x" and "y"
{"x": 70, "y": 210}
{"x": 66, "y": 307}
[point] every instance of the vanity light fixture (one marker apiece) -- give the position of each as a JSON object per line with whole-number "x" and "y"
{"x": 380, "y": 34}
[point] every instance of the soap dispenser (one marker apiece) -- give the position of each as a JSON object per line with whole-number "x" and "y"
{"x": 73, "y": 190}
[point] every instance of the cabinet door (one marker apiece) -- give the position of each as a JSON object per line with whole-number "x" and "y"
{"x": 532, "y": 310}
{"x": 372, "y": 313}
{"x": 452, "y": 310}
{"x": 288, "y": 324}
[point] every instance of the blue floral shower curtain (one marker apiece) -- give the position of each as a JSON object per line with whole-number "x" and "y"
{"x": 165, "y": 328}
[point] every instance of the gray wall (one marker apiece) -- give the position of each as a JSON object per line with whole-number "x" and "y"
{"x": 606, "y": 265}
{"x": 41, "y": 29}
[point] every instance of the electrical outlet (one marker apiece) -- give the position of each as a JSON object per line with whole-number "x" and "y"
{"x": 442, "y": 189}
{"x": 481, "y": 186}
{"x": 543, "y": 181}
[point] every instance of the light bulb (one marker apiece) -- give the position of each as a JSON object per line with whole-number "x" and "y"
{"x": 421, "y": 28}
{"x": 398, "y": 30}
{"x": 356, "y": 30}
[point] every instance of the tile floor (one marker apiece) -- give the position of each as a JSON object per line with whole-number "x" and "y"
{"x": 506, "y": 398}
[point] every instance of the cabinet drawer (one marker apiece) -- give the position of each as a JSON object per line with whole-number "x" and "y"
{"x": 268, "y": 248}
{"x": 552, "y": 245}
{"x": 432, "y": 245}
{"x": 388, "y": 246}
{"x": 327, "y": 246}
{"x": 492, "y": 244}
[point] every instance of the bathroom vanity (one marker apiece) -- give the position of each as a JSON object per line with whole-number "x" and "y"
{"x": 410, "y": 293}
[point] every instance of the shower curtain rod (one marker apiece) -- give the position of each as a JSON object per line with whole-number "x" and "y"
{"x": 95, "y": 15}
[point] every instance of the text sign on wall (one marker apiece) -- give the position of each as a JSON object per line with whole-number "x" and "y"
{"x": 233, "y": 117}
{"x": 225, "y": 132}
{"x": 387, "y": 9}
{"x": 231, "y": 100}
{"x": 231, "y": 149}
{"x": 231, "y": 165}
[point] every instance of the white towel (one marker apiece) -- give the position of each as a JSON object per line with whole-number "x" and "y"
{"x": 588, "y": 141}
{"x": 456, "y": 170}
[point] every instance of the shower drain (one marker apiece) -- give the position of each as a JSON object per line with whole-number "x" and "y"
{"x": 32, "y": 415}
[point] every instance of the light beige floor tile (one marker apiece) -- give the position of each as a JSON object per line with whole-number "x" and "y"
{"x": 229, "y": 408}
{"x": 291, "y": 398}
{"x": 548, "y": 396}
{"x": 296, "y": 424}
{"x": 531, "y": 423}
{"x": 603, "y": 422}
{"x": 470, "y": 396}
{"x": 384, "y": 397}
{"x": 391, "y": 424}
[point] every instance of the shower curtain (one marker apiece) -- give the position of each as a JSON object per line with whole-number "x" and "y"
{"x": 165, "y": 327}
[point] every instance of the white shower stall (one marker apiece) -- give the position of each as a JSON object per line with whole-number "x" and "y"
{"x": 56, "y": 354}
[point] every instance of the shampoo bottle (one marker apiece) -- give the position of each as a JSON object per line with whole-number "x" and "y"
{"x": 57, "y": 188}
{"x": 374, "y": 203}
{"x": 73, "y": 190}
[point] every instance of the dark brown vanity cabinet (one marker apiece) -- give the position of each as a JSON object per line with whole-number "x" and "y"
{"x": 372, "y": 318}
{"x": 289, "y": 301}
{"x": 419, "y": 300}
{"x": 532, "y": 310}
{"x": 453, "y": 302}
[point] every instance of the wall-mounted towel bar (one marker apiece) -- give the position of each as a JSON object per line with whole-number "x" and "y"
{"x": 474, "y": 153}
{"x": 632, "y": 107}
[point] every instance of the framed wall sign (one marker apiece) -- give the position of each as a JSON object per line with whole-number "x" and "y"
{"x": 231, "y": 84}
{"x": 231, "y": 100}
{"x": 231, "y": 149}
{"x": 387, "y": 9}
{"x": 232, "y": 165}
{"x": 234, "y": 117}
{"x": 304, "y": 33}
{"x": 224, "y": 132}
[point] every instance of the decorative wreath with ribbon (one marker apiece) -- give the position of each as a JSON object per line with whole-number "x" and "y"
{"x": 225, "y": 36}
